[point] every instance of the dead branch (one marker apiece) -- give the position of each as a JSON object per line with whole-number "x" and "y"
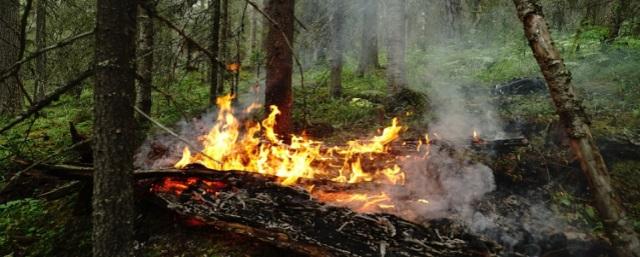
{"x": 9, "y": 71}
{"x": 48, "y": 99}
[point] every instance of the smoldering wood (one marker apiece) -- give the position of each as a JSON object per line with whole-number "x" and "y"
{"x": 256, "y": 205}
{"x": 617, "y": 225}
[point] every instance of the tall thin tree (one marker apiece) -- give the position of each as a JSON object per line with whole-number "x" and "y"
{"x": 10, "y": 94}
{"x": 337, "y": 46}
{"x": 113, "y": 128}
{"x": 369, "y": 40}
{"x": 214, "y": 46}
{"x": 147, "y": 44}
{"x": 224, "y": 37}
{"x": 396, "y": 36}
{"x": 41, "y": 42}
{"x": 279, "y": 63}
{"x": 572, "y": 114}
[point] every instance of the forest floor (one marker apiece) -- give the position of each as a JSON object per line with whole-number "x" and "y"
{"x": 606, "y": 78}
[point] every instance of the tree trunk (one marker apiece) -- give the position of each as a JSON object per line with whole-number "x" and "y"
{"x": 279, "y": 64}
{"x": 214, "y": 46}
{"x": 41, "y": 42}
{"x": 146, "y": 68}
{"x": 10, "y": 94}
{"x": 396, "y": 31}
{"x": 452, "y": 16}
{"x": 224, "y": 36}
{"x": 369, "y": 46}
{"x": 616, "y": 18}
{"x": 572, "y": 114}
{"x": 253, "y": 41}
{"x": 114, "y": 126}
{"x": 337, "y": 45}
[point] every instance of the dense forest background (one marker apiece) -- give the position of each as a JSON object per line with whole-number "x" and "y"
{"x": 356, "y": 64}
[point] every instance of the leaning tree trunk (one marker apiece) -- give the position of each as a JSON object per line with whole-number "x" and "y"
{"x": 396, "y": 31}
{"x": 337, "y": 47}
{"x": 147, "y": 43}
{"x": 10, "y": 94}
{"x": 278, "y": 44}
{"x": 41, "y": 42}
{"x": 214, "y": 47}
{"x": 572, "y": 114}
{"x": 113, "y": 129}
{"x": 369, "y": 45}
{"x": 616, "y": 18}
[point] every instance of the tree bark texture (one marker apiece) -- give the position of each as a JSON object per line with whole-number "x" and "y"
{"x": 114, "y": 124}
{"x": 279, "y": 65}
{"x": 452, "y": 18}
{"x": 337, "y": 47}
{"x": 10, "y": 94}
{"x": 41, "y": 42}
{"x": 369, "y": 45}
{"x": 572, "y": 115}
{"x": 617, "y": 16}
{"x": 396, "y": 31}
{"x": 224, "y": 37}
{"x": 147, "y": 43}
{"x": 214, "y": 47}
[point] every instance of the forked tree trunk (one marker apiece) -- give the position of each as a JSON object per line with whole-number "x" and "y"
{"x": 280, "y": 63}
{"x": 214, "y": 47}
{"x": 396, "y": 31}
{"x": 113, "y": 129}
{"x": 147, "y": 43}
{"x": 337, "y": 47}
{"x": 10, "y": 94}
{"x": 41, "y": 42}
{"x": 369, "y": 45}
{"x": 572, "y": 115}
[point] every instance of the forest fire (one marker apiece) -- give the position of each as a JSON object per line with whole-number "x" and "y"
{"x": 254, "y": 147}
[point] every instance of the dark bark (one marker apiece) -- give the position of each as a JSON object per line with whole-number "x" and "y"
{"x": 114, "y": 128}
{"x": 616, "y": 18}
{"x": 224, "y": 37}
{"x": 278, "y": 90}
{"x": 337, "y": 47}
{"x": 147, "y": 43}
{"x": 41, "y": 42}
{"x": 569, "y": 107}
{"x": 10, "y": 93}
{"x": 396, "y": 33}
{"x": 369, "y": 45}
{"x": 214, "y": 46}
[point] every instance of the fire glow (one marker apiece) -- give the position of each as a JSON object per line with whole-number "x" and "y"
{"x": 255, "y": 147}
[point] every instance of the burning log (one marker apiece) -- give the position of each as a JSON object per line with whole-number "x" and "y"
{"x": 289, "y": 217}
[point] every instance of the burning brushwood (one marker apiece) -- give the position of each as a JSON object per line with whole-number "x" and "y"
{"x": 289, "y": 217}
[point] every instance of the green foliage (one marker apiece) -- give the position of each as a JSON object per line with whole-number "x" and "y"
{"x": 22, "y": 222}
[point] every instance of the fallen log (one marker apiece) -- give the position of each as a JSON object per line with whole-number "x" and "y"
{"x": 289, "y": 217}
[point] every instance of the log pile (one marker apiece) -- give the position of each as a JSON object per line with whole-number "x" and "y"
{"x": 256, "y": 205}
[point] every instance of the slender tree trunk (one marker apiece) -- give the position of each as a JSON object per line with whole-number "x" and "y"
{"x": 337, "y": 45}
{"x": 616, "y": 18}
{"x": 396, "y": 32}
{"x": 369, "y": 45}
{"x": 452, "y": 16}
{"x": 147, "y": 44}
{"x": 279, "y": 64}
{"x": 253, "y": 40}
{"x": 224, "y": 37}
{"x": 572, "y": 115}
{"x": 214, "y": 46}
{"x": 113, "y": 129}
{"x": 10, "y": 94}
{"x": 41, "y": 42}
